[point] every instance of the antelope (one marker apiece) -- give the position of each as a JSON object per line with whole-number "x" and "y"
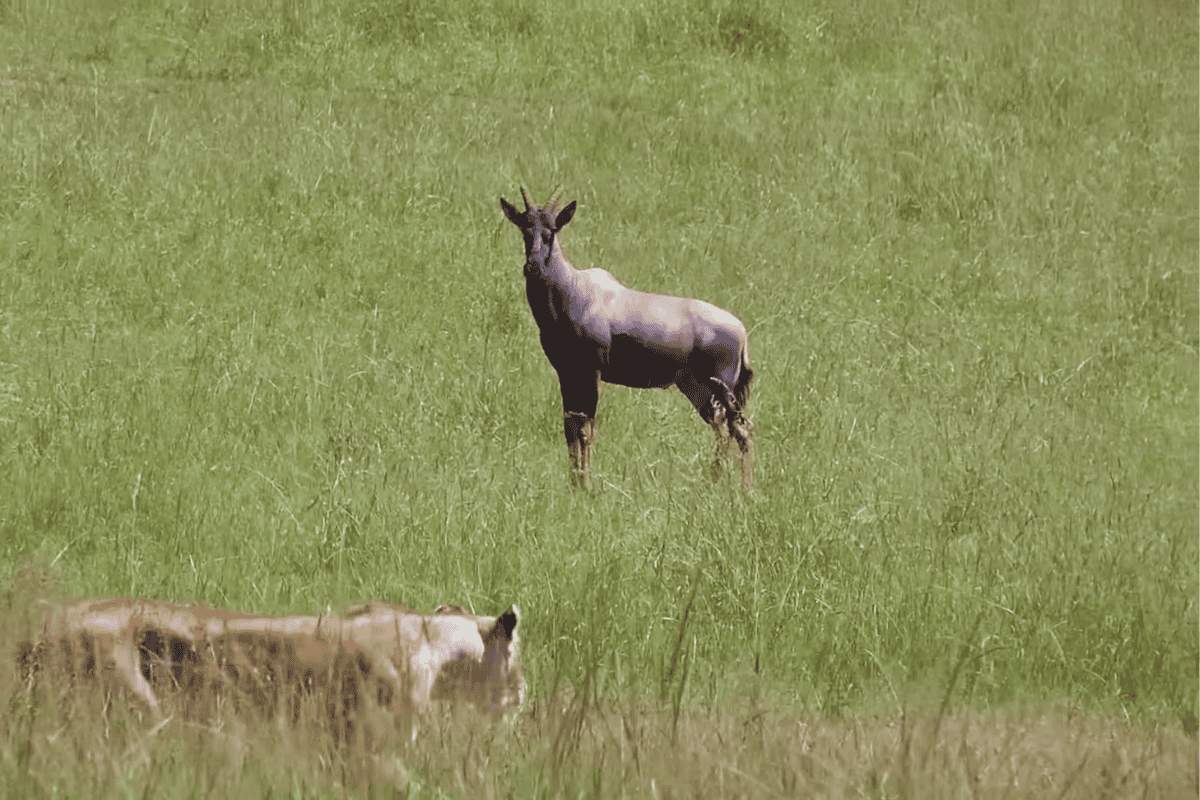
{"x": 593, "y": 328}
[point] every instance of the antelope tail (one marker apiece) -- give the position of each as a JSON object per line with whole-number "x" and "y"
{"x": 741, "y": 390}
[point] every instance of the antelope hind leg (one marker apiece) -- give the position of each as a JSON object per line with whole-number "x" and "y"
{"x": 720, "y": 428}
{"x": 739, "y": 428}
{"x": 708, "y": 405}
{"x": 742, "y": 432}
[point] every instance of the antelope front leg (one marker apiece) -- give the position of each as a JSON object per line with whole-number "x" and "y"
{"x": 580, "y": 395}
{"x": 589, "y": 438}
{"x": 579, "y": 428}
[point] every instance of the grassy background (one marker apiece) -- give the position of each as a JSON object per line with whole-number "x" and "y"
{"x": 263, "y": 338}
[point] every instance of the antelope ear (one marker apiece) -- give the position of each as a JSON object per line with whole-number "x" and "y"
{"x": 514, "y": 216}
{"x": 564, "y": 216}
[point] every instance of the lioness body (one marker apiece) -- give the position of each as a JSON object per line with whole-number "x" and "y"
{"x": 398, "y": 657}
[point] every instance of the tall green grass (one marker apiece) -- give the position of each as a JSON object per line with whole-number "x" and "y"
{"x": 263, "y": 338}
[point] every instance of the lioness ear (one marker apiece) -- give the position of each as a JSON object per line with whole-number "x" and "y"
{"x": 509, "y": 619}
{"x": 564, "y": 216}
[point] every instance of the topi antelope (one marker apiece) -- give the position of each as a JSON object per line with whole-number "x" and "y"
{"x": 593, "y": 328}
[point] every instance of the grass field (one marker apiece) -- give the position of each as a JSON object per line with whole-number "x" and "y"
{"x": 264, "y": 344}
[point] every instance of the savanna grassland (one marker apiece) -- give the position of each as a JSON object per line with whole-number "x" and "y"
{"x": 264, "y": 344}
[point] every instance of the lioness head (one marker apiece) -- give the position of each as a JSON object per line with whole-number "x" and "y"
{"x": 494, "y": 682}
{"x": 451, "y": 655}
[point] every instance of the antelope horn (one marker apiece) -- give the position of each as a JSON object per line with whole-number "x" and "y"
{"x": 525, "y": 197}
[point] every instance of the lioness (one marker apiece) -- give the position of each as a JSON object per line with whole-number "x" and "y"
{"x": 405, "y": 658}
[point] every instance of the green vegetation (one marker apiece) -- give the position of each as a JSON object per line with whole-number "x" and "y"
{"x": 264, "y": 344}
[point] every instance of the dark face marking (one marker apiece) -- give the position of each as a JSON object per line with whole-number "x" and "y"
{"x": 538, "y": 226}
